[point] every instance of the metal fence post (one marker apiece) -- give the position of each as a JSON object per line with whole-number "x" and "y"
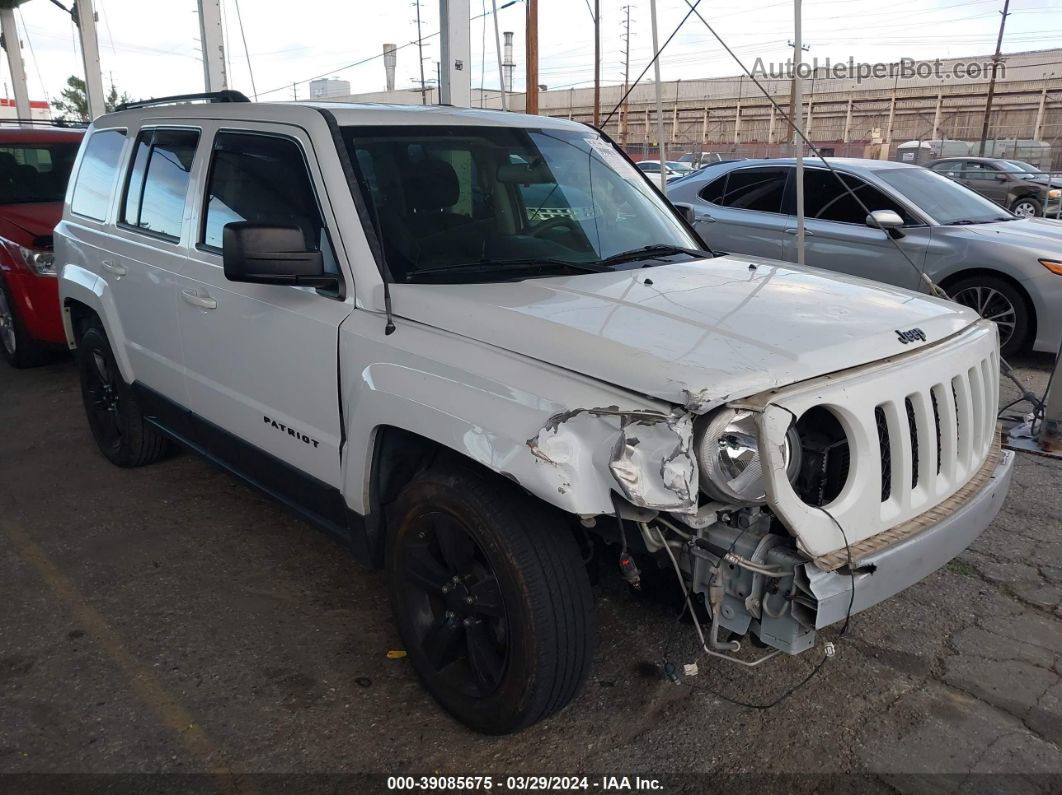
{"x": 1050, "y": 434}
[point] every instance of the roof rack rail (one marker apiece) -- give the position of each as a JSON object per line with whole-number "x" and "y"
{"x": 212, "y": 96}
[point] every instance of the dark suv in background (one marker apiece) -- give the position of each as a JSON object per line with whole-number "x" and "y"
{"x": 1022, "y": 188}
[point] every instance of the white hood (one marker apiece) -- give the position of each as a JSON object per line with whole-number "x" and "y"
{"x": 694, "y": 333}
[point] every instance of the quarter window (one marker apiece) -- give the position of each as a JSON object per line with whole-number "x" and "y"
{"x": 714, "y": 190}
{"x": 759, "y": 189}
{"x": 826, "y": 199}
{"x": 262, "y": 179}
{"x": 95, "y": 177}
{"x": 158, "y": 181}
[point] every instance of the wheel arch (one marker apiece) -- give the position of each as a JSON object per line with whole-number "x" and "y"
{"x": 78, "y": 317}
{"x": 1030, "y": 305}
{"x": 84, "y": 295}
{"x": 397, "y": 457}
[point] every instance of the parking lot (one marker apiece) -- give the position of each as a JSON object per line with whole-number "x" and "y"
{"x": 171, "y": 619}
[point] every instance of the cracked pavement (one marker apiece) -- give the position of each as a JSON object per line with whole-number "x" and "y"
{"x": 170, "y": 619}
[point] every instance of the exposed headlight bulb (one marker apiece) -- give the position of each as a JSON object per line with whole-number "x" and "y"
{"x": 728, "y": 453}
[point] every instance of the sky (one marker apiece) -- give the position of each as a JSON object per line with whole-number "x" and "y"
{"x": 151, "y": 47}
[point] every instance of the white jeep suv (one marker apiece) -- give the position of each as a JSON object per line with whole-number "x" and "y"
{"x": 481, "y": 348}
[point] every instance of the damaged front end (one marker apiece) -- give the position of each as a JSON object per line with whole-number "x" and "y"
{"x": 648, "y": 453}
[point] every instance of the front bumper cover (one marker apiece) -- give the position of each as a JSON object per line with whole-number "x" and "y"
{"x": 883, "y": 574}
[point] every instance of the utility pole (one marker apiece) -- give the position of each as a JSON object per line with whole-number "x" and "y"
{"x": 13, "y": 45}
{"x": 501, "y": 66}
{"x": 597, "y": 63}
{"x": 212, "y": 39}
{"x": 420, "y": 54}
{"x": 798, "y": 141}
{"x": 992, "y": 81}
{"x": 455, "y": 77}
{"x": 531, "y": 47}
{"x": 659, "y": 103}
{"x": 796, "y": 102}
{"x": 626, "y": 74}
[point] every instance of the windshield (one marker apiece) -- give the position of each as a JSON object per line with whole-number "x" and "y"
{"x": 944, "y": 201}
{"x": 447, "y": 198}
{"x": 35, "y": 172}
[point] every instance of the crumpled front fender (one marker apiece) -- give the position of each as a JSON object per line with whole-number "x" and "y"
{"x": 649, "y": 454}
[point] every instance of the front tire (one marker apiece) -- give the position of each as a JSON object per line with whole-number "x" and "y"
{"x": 114, "y": 416}
{"x": 19, "y": 349}
{"x": 1027, "y": 207}
{"x": 491, "y": 599}
{"x": 997, "y": 300}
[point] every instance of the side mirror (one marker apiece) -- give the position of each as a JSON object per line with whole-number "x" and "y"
{"x": 888, "y": 220}
{"x": 687, "y": 212}
{"x": 264, "y": 254}
{"x": 1001, "y": 177}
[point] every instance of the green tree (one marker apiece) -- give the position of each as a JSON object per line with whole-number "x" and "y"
{"x": 74, "y": 103}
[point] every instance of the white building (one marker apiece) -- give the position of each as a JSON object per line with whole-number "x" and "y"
{"x": 329, "y": 87}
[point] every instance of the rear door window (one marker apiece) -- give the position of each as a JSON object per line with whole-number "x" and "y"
{"x": 158, "y": 182}
{"x": 760, "y": 189}
{"x": 96, "y": 176}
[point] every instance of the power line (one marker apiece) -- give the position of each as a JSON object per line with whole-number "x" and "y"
{"x": 930, "y": 285}
{"x": 649, "y": 65}
{"x": 371, "y": 58}
{"x": 107, "y": 25}
{"x": 246, "y": 52}
{"x": 33, "y": 55}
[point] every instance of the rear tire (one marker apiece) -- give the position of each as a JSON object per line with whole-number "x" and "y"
{"x": 996, "y": 299}
{"x": 19, "y": 349}
{"x": 113, "y": 412}
{"x": 491, "y": 599}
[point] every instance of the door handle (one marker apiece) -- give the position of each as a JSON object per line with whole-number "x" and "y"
{"x": 706, "y": 217}
{"x": 792, "y": 231}
{"x": 201, "y": 301}
{"x": 111, "y": 267}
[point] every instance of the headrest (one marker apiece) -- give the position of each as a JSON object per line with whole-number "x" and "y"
{"x": 432, "y": 185}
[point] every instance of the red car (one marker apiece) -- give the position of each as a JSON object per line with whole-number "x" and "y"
{"x": 35, "y": 166}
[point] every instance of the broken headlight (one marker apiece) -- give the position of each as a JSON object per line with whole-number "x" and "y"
{"x": 728, "y": 454}
{"x": 41, "y": 262}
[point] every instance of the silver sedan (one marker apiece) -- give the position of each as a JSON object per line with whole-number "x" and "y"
{"x": 1007, "y": 268}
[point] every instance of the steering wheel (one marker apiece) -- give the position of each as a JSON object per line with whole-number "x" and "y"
{"x": 553, "y": 223}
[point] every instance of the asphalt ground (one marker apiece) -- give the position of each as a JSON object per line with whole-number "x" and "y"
{"x": 170, "y": 620}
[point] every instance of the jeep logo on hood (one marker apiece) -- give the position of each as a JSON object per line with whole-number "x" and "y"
{"x": 911, "y": 335}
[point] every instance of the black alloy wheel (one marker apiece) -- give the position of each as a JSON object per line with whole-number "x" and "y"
{"x": 490, "y": 596}
{"x": 121, "y": 432}
{"x": 456, "y": 612}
